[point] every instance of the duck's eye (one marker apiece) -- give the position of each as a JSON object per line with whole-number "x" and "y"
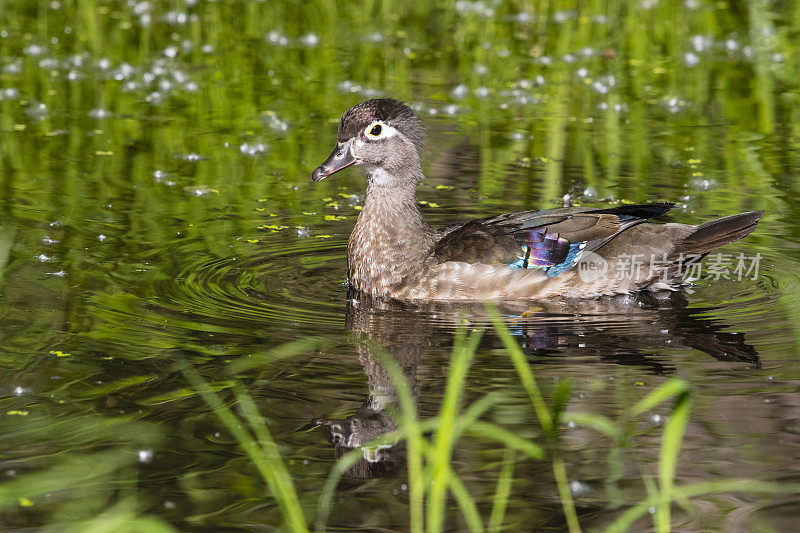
{"x": 375, "y": 131}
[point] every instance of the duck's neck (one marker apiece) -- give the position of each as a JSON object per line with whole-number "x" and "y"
{"x": 390, "y": 240}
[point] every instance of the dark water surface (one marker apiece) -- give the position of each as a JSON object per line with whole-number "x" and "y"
{"x": 156, "y": 207}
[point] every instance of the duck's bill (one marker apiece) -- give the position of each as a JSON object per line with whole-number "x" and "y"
{"x": 340, "y": 158}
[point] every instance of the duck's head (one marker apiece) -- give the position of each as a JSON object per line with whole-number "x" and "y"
{"x": 384, "y": 137}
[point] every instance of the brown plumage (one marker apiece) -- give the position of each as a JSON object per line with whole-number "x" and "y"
{"x": 393, "y": 252}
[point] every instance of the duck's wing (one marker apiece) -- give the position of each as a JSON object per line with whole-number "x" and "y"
{"x": 551, "y": 240}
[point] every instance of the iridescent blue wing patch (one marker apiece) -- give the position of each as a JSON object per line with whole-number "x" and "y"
{"x": 546, "y": 251}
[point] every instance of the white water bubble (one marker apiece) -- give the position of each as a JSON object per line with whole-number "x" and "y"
{"x": 459, "y": 91}
{"x": 700, "y": 43}
{"x": 310, "y": 39}
{"x": 99, "y": 113}
{"x": 141, "y": 7}
{"x": 15, "y": 67}
{"x": 253, "y": 150}
{"x": 577, "y": 488}
{"x": 34, "y": 50}
{"x": 48, "y": 63}
{"x": 276, "y": 38}
{"x": 176, "y": 17}
{"x": 9, "y": 93}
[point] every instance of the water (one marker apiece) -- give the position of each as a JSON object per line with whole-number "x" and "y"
{"x": 157, "y": 208}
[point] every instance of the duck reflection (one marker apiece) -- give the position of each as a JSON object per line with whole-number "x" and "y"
{"x": 630, "y": 330}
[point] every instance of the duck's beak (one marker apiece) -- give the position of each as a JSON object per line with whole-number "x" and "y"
{"x": 340, "y": 158}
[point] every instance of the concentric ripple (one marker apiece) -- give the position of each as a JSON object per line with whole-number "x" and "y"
{"x": 295, "y": 284}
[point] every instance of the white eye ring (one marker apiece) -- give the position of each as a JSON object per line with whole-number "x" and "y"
{"x": 384, "y": 130}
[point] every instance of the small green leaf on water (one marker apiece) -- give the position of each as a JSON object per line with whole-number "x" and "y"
{"x": 25, "y": 502}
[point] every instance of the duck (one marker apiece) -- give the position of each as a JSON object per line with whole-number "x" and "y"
{"x": 565, "y": 252}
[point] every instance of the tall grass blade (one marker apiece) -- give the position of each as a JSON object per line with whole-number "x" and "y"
{"x": 664, "y": 392}
{"x": 597, "y": 422}
{"x": 503, "y": 491}
{"x": 269, "y": 464}
{"x": 465, "y": 502}
{"x": 506, "y": 437}
{"x": 668, "y": 459}
{"x": 523, "y": 370}
{"x": 545, "y": 418}
{"x": 463, "y": 352}
{"x": 272, "y": 466}
{"x": 413, "y": 430}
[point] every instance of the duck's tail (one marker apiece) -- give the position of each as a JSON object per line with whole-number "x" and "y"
{"x": 710, "y": 235}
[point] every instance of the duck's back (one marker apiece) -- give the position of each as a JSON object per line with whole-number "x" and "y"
{"x": 533, "y": 254}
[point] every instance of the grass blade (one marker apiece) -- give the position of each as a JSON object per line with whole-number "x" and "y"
{"x": 272, "y": 467}
{"x": 465, "y": 502}
{"x": 269, "y": 465}
{"x": 503, "y": 490}
{"x": 597, "y": 422}
{"x": 463, "y": 352}
{"x": 668, "y": 458}
{"x": 664, "y": 392}
{"x": 504, "y": 436}
{"x": 523, "y": 370}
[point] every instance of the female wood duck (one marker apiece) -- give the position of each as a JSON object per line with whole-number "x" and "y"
{"x": 394, "y": 253}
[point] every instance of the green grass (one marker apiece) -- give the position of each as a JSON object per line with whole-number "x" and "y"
{"x": 432, "y": 477}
